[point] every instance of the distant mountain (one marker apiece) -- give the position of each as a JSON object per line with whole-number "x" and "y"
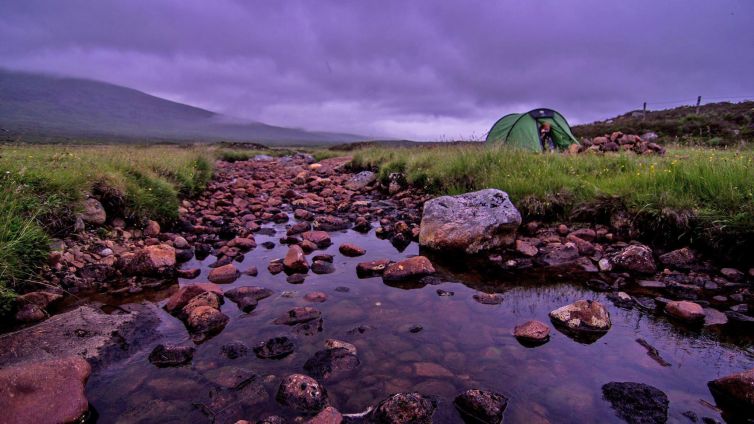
{"x": 714, "y": 124}
{"x": 35, "y": 107}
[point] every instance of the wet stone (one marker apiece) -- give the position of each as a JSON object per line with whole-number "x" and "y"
{"x": 415, "y": 267}
{"x": 445, "y": 293}
{"x": 582, "y": 316}
{"x": 234, "y": 350}
{"x": 247, "y": 297}
{"x": 224, "y": 274}
{"x": 331, "y": 362}
{"x": 275, "y": 348}
{"x": 171, "y": 355}
{"x": 268, "y": 245}
{"x": 685, "y": 311}
{"x": 295, "y": 278}
{"x": 295, "y": 261}
{"x": 637, "y": 402}
{"x": 322, "y": 267}
{"x": 320, "y": 238}
{"x": 403, "y": 408}
{"x": 302, "y": 393}
{"x": 352, "y": 250}
{"x": 275, "y": 267}
{"x": 532, "y": 332}
{"x": 415, "y": 328}
{"x": 488, "y": 298}
{"x": 316, "y": 296}
{"x": 481, "y": 406}
{"x": 371, "y": 268}
{"x": 299, "y": 315}
{"x": 323, "y": 258}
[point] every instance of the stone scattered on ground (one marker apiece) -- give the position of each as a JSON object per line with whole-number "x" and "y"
{"x": 488, "y": 298}
{"x": 482, "y": 406}
{"x": 617, "y": 141}
{"x": 331, "y": 362}
{"x": 44, "y": 391}
{"x": 470, "y": 222}
{"x": 299, "y": 315}
{"x": 637, "y": 403}
{"x": 295, "y": 260}
{"x": 247, "y": 297}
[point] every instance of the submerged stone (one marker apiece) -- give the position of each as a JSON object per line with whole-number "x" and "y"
{"x": 637, "y": 403}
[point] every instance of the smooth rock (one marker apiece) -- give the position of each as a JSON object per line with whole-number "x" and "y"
{"x": 685, "y": 311}
{"x": 637, "y": 403}
{"x": 328, "y": 415}
{"x": 532, "y": 332}
{"x": 361, "y": 180}
{"x": 225, "y": 274}
{"x": 295, "y": 261}
{"x": 319, "y": 238}
{"x": 329, "y": 362}
{"x": 47, "y": 391}
{"x": 352, "y": 250}
{"x": 415, "y": 267}
{"x": 470, "y": 222}
{"x": 735, "y": 392}
{"x": 371, "y": 268}
{"x": 299, "y": 315}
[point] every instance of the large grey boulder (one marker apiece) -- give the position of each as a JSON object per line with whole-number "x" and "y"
{"x": 470, "y": 222}
{"x": 361, "y": 180}
{"x": 87, "y": 332}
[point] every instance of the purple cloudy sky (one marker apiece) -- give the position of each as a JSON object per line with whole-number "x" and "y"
{"x": 409, "y": 68}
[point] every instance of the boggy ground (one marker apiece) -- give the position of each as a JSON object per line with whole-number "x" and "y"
{"x": 273, "y": 263}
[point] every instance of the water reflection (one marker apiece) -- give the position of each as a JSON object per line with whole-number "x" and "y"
{"x": 463, "y": 344}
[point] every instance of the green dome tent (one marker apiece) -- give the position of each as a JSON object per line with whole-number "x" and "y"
{"x": 521, "y": 130}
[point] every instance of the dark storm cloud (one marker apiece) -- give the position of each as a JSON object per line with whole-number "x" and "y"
{"x": 418, "y": 69}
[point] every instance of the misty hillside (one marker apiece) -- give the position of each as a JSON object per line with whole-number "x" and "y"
{"x": 715, "y": 124}
{"x": 37, "y": 107}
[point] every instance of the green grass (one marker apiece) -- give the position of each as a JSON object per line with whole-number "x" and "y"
{"x": 715, "y": 188}
{"x": 43, "y": 187}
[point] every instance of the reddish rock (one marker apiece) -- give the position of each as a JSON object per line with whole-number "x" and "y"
{"x": 587, "y": 234}
{"x": 679, "y": 258}
{"x": 49, "y": 391}
{"x": 584, "y": 247}
{"x": 298, "y": 228}
{"x": 295, "y": 261}
{"x": 418, "y": 266}
{"x": 181, "y": 298}
{"x": 316, "y": 296}
{"x": 735, "y": 392}
{"x": 319, "y": 238}
{"x": 532, "y": 331}
{"x": 488, "y": 298}
{"x": 299, "y": 315}
{"x": 404, "y": 408}
{"x": 206, "y": 320}
{"x": 154, "y": 260}
{"x": 685, "y": 310}
{"x": 189, "y": 273}
{"x": 225, "y": 274}
{"x": 328, "y": 415}
{"x": 349, "y": 249}
{"x": 244, "y": 244}
{"x": 275, "y": 267}
{"x": 151, "y": 229}
{"x": 371, "y": 268}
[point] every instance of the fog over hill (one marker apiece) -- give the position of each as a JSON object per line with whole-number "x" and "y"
{"x": 37, "y": 107}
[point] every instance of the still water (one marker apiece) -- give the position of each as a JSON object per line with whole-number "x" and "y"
{"x": 463, "y": 344}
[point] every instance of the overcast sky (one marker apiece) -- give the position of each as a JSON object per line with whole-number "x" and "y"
{"x": 404, "y": 69}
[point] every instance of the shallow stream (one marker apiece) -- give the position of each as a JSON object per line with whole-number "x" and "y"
{"x": 463, "y": 344}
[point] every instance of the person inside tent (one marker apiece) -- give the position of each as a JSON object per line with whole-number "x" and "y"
{"x": 545, "y": 135}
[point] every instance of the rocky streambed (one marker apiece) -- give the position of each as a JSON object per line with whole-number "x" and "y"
{"x": 294, "y": 291}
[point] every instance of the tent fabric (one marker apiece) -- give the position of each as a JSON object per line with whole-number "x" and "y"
{"x": 521, "y": 130}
